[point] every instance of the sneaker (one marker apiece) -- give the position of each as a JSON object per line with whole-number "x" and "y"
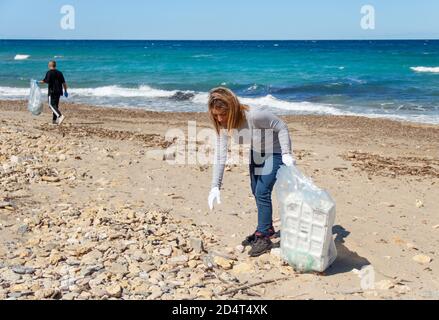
{"x": 260, "y": 246}
{"x": 251, "y": 238}
{"x": 61, "y": 119}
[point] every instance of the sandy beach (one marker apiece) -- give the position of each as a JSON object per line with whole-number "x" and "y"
{"x": 87, "y": 212}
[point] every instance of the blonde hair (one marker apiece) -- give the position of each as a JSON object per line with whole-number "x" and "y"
{"x": 223, "y": 98}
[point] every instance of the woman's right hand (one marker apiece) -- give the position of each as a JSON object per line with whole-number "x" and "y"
{"x": 214, "y": 194}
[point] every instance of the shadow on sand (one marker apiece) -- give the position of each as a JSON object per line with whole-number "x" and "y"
{"x": 346, "y": 260}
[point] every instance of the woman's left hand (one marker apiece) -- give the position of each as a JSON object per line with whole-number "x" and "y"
{"x": 288, "y": 160}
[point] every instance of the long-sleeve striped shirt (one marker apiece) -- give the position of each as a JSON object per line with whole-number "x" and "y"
{"x": 267, "y": 132}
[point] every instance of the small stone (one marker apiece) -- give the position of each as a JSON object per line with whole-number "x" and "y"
{"x": 155, "y": 295}
{"x": 178, "y": 260}
{"x": 89, "y": 270}
{"x": 166, "y": 251}
{"x": 227, "y": 277}
{"x": 73, "y": 262}
{"x": 23, "y": 229}
{"x": 55, "y": 257}
{"x": 15, "y": 160}
{"x": 10, "y": 276}
{"x": 384, "y": 285}
{"x": 22, "y": 287}
{"x": 205, "y": 293}
{"x": 223, "y": 263}
{"x": 422, "y": 259}
{"x": 98, "y": 292}
{"x": 142, "y": 290}
{"x": 98, "y": 280}
{"x": 196, "y": 280}
{"x": 239, "y": 248}
{"x": 155, "y": 276}
{"x": 84, "y": 295}
{"x": 134, "y": 268}
{"x": 34, "y": 241}
{"x": 197, "y": 245}
{"x": 208, "y": 262}
{"x": 92, "y": 257}
{"x": 118, "y": 268}
{"x": 402, "y": 289}
{"x": 114, "y": 291}
{"x": 83, "y": 250}
{"x": 70, "y": 296}
{"x": 242, "y": 268}
{"x": 23, "y": 270}
{"x": 5, "y": 204}
{"x": 50, "y": 179}
{"x": 44, "y": 293}
{"x": 15, "y": 295}
{"x": 419, "y": 203}
{"x": 411, "y": 246}
{"x": 436, "y": 226}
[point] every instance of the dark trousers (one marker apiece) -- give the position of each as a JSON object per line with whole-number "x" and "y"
{"x": 263, "y": 170}
{"x": 54, "y": 106}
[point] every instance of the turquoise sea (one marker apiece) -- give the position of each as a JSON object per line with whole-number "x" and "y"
{"x": 393, "y": 79}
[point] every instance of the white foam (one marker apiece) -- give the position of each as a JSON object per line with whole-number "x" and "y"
{"x": 117, "y": 91}
{"x": 107, "y": 91}
{"x": 315, "y": 108}
{"x": 304, "y": 107}
{"x": 16, "y": 93}
{"x": 202, "y": 56}
{"x": 251, "y": 88}
{"x": 201, "y": 98}
{"x": 271, "y": 102}
{"x": 21, "y": 56}
{"x": 426, "y": 69}
{"x": 428, "y": 119}
{"x": 99, "y": 96}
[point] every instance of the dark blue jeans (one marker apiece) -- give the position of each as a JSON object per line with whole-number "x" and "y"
{"x": 263, "y": 170}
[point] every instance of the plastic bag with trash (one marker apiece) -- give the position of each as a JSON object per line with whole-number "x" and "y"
{"x": 35, "y": 104}
{"x": 307, "y": 215}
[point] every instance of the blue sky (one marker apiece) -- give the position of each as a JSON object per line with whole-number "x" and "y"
{"x": 219, "y": 20}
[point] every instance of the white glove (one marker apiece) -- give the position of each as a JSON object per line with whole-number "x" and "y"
{"x": 288, "y": 160}
{"x": 214, "y": 194}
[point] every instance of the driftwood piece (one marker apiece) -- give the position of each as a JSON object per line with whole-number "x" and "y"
{"x": 231, "y": 291}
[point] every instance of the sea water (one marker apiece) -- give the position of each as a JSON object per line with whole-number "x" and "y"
{"x": 391, "y": 79}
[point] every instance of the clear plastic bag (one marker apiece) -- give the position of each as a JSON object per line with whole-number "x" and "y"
{"x": 35, "y": 104}
{"x": 307, "y": 216}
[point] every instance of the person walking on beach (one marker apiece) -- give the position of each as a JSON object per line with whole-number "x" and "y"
{"x": 270, "y": 148}
{"x": 56, "y": 82}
